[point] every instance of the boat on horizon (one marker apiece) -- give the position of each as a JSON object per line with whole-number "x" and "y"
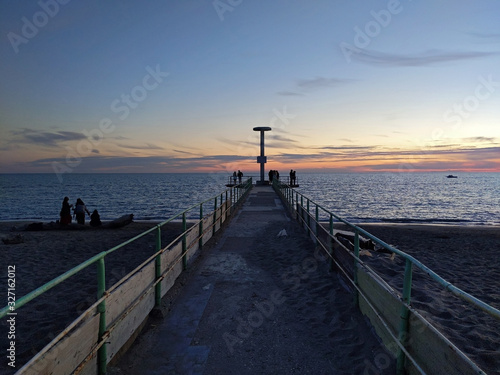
{"x": 451, "y": 176}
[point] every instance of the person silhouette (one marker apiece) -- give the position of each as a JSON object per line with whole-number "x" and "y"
{"x": 95, "y": 219}
{"x": 65, "y": 213}
{"x": 80, "y": 210}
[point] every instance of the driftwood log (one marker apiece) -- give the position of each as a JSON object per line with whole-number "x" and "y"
{"x": 347, "y": 239}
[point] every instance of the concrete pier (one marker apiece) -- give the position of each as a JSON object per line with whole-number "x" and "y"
{"x": 259, "y": 301}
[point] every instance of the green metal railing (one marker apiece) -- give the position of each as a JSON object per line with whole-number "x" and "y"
{"x": 313, "y": 226}
{"x": 230, "y": 197}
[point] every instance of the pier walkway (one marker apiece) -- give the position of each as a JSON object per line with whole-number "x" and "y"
{"x": 255, "y": 302}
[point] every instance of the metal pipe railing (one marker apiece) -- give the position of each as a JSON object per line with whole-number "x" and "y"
{"x": 285, "y": 191}
{"x": 228, "y": 199}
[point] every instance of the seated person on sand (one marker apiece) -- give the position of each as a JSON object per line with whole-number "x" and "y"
{"x": 95, "y": 219}
{"x": 80, "y": 210}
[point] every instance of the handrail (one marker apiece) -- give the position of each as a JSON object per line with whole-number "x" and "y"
{"x": 446, "y": 284}
{"x": 291, "y": 197}
{"x": 59, "y": 279}
{"x": 236, "y": 195}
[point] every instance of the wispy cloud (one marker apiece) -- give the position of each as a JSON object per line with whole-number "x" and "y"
{"x": 342, "y": 157}
{"x": 141, "y": 164}
{"x": 45, "y": 138}
{"x": 311, "y": 84}
{"x": 392, "y": 157}
{"x": 488, "y": 37}
{"x": 420, "y": 59}
{"x": 147, "y": 146}
{"x": 277, "y": 137}
{"x": 481, "y": 139}
{"x": 320, "y": 82}
{"x": 290, "y": 93}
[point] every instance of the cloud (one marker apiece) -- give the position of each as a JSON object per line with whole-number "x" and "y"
{"x": 335, "y": 154}
{"x": 489, "y": 37}
{"x": 348, "y": 148}
{"x": 320, "y": 82}
{"x": 138, "y": 164}
{"x": 147, "y": 146}
{"x": 345, "y": 157}
{"x": 45, "y": 138}
{"x": 313, "y": 84}
{"x": 277, "y": 137}
{"x": 183, "y": 152}
{"x": 289, "y": 93}
{"x": 480, "y": 139}
{"x": 422, "y": 59}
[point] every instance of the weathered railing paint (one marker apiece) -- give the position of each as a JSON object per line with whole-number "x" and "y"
{"x": 405, "y": 360}
{"x": 89, "y": 334}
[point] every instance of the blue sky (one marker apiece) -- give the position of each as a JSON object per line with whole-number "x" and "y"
{"x": 171, "y": 86}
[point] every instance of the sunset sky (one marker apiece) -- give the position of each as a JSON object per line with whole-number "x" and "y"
{"x": 177, "y": 86}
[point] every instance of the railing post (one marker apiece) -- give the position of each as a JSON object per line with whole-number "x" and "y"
{"x": 221, "y": 208}
{"x": 158, "y": 266}
{"x": 102, "y": 354}
{"x": 356, "y": 257}
{"x": 200, "y": 228}
{"x": 226, "y": 207}
{"x": 302, "y": 210}
{"x": 405, "y": 313}
{"x": 215, "y": 216}
{"x": 184, "y": 245}
{"x": 297, "y": 201}
{"x": 317, "y": 225}
{"x": 308, "y": 219}
{"x": 331, "y": 243}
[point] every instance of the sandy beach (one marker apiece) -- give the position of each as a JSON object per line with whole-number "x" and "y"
{"x": 44, "y": 255}
{"x": 466, "y": 256}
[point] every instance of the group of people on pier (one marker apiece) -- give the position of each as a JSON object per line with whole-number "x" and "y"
{"x": 274, "y": 174}
{"x": 238, "y": 176}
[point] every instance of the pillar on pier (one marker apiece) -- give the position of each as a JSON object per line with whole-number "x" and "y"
{"x": 262, "y": 159}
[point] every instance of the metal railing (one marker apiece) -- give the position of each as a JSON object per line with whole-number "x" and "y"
{"x": 222, "y": 203}
{"x": 234, "y": 181}
{"x": 309, "y": 214}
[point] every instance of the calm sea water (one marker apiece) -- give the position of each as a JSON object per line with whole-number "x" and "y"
{"x": 472, "y": 198}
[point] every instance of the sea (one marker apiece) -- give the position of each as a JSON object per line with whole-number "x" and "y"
{"x": 469, "y": 199}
